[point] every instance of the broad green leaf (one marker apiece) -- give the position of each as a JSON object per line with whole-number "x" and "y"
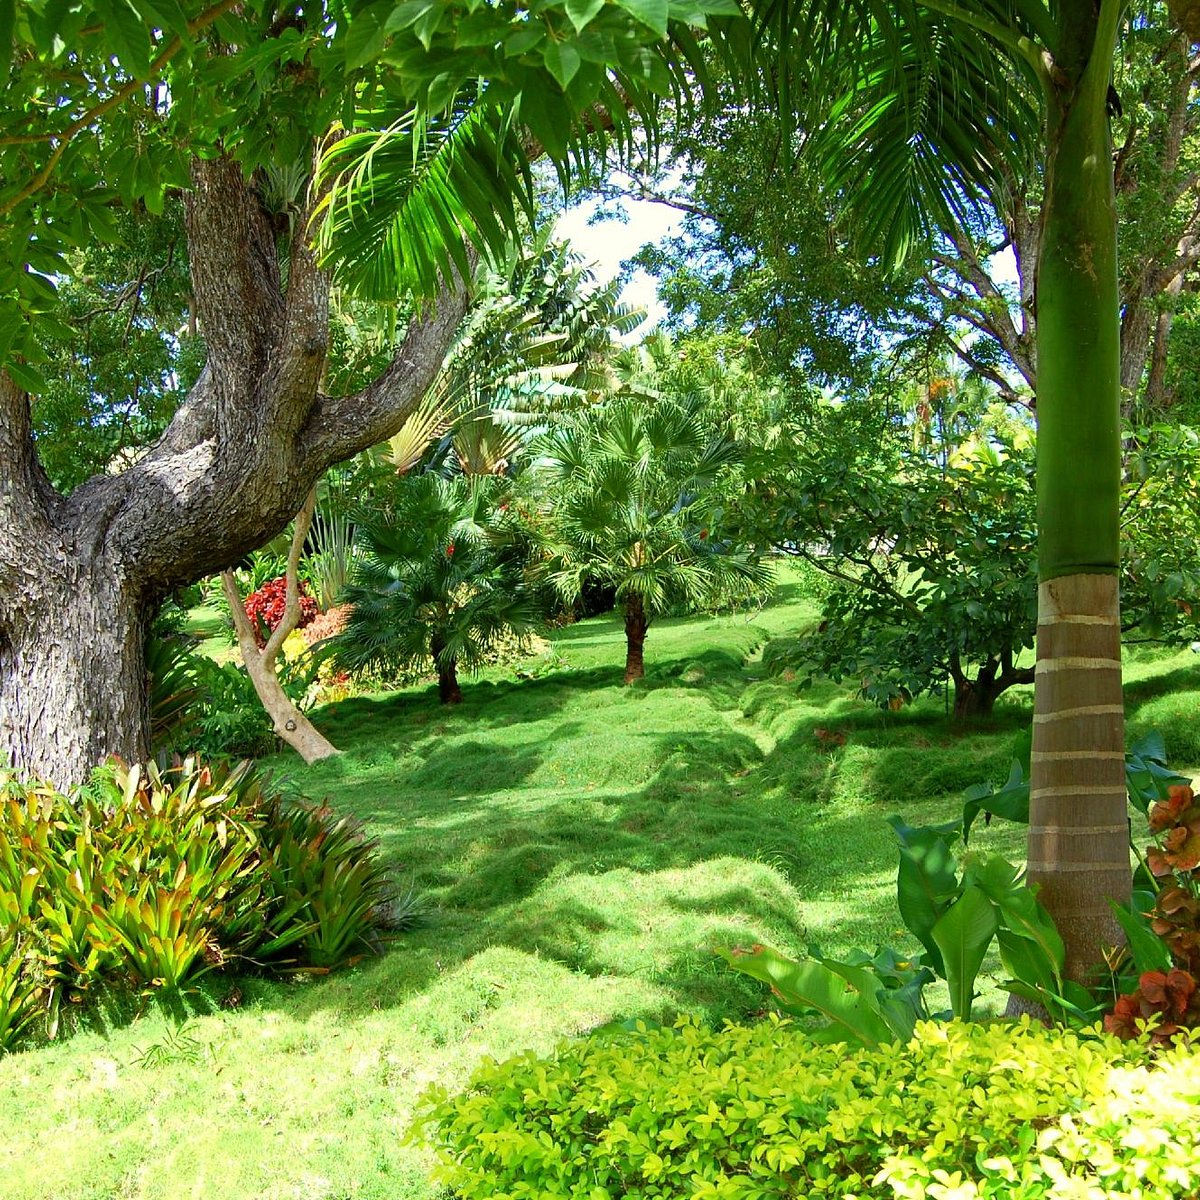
{"x": 651, "y": 13}
{"x": 129, "y": 34}
{"x": 1149, "y": 951}
{"x": 8, "y": 17}
{"x": 1031, "y": 948}
{"x": 809, "y": 986}
{"x": 1025, "y": 962}
{"x": 562, "y": 61}
{"x": 167, "y": 15}
{"x": 1011, "y": 801}
{"x": 27, "y": 377}
{"x": 366, "y": 35}
{"x": 963, "y": 934}
{"x": 926, "y": 881}
{"x": 1151, "y": 746}
{"x": 581, "y": 12}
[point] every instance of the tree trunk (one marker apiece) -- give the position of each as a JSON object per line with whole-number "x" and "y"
{"x": 977, "y": 697}
{"x": 448, "y": 690}
{"x": 972, "y": 700}
{"x": 79, "y": 574}
{"x": 635, "y": 637}
{"x": 289, "y": 722}
{"x": 1078, "y": 836}
{"x": 73, "y": 669}
{"x": 447, "y": 671}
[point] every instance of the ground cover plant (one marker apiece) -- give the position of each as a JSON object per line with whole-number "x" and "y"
{"x": 579, "y": 847}
{"x": 763, "y": 1112}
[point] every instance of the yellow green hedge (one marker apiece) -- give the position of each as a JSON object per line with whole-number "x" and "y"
{"x": 963, "y": 1111}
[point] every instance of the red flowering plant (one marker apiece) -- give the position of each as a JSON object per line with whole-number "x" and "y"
{"x": 1169, "y": 994}
{"x": 266, "y": 607}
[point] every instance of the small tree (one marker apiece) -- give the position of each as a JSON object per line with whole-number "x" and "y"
{"x": 928, "y": 541}
{"x": 440, "y": 579}
{"x": 635, "y": 506}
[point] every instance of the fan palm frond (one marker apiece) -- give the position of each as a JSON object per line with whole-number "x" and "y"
{"x": 432, "y": 419}
{"x": 485, "y": 447}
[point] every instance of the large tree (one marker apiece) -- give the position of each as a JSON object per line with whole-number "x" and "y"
{"x": 116, "y": 103}
{"x": 793, "y": 282}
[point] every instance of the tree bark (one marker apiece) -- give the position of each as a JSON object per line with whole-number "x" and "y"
{"x": 290, "y": 724}
{"x": 233, "y": 467}
{"x": 636, "y": 625}
{"x": 447, "y": 671}
{"x": 72, "y": 658}
{"x": 973, "y": 700}
{"x": 976, "y": 698}
{"x": 448, "y": 690}
{"x": 1078, "y": 835}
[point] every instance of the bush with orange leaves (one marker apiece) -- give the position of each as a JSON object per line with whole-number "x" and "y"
{"x": 1170, "y": 997}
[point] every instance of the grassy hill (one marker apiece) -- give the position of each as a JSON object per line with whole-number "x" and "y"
{"x": 577, "y": 847}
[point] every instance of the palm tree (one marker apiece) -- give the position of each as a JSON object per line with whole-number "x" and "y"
{"x": 635, "y": 508}
{"x": 920, "y": 111}
{"x": 440, "y": 579}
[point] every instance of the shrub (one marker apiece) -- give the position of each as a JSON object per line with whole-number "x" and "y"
{"x": 266, "y": 606}
{"x": 1167, "y": 985}
{"x": 960, "y": 1111}
{"x": 148, "y": 879}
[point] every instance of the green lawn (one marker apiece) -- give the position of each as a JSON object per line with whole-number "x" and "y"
{"x": 580, "y": 846}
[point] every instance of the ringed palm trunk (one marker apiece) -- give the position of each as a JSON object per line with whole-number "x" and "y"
{"x": 1078, "y": 835}
{"x": 636, "y": 625}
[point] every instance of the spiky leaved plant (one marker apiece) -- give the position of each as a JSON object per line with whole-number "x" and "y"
{"x": 440, "y": 580}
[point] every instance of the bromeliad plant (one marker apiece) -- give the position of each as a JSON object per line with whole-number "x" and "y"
{"x": 956, "y": 905}
{"x": 148, "y": 879}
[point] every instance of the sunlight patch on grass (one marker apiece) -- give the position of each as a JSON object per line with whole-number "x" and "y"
{"x": 580, "y": 846}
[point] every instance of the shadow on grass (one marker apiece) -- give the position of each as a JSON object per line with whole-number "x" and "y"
{"x": 1139, "y": 691}
{"x": 622, "y": 831}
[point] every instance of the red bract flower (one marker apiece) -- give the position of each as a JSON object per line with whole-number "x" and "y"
{"x": 450, "y": 550}
{"x": 266, "y": 607}
{"x": 1122, "y": 1021}
{"x": 1169, "y": 811}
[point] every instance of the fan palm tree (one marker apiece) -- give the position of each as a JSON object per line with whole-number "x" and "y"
{"x": 439, "y": 579}
{"x": 919, "y": 111}
{"x": 634, "y": 507}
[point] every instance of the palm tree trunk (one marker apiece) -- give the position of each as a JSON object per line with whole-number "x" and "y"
{"x": 1078, "y": 835}
{"x": 635, "y": 637}
{"x": 447, "y": 672}
{"x": 448, "y": 690}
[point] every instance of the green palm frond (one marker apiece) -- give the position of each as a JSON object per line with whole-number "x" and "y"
{"x": 913, "y": 115}
{"x": 622, "y": 436}
{"x": 434, "y": 569}
{"x": 401, "y": 206}
{"x": 713, "y": 459}
{"x": 485, "y": 447}
{"x": 634, "y": 500}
